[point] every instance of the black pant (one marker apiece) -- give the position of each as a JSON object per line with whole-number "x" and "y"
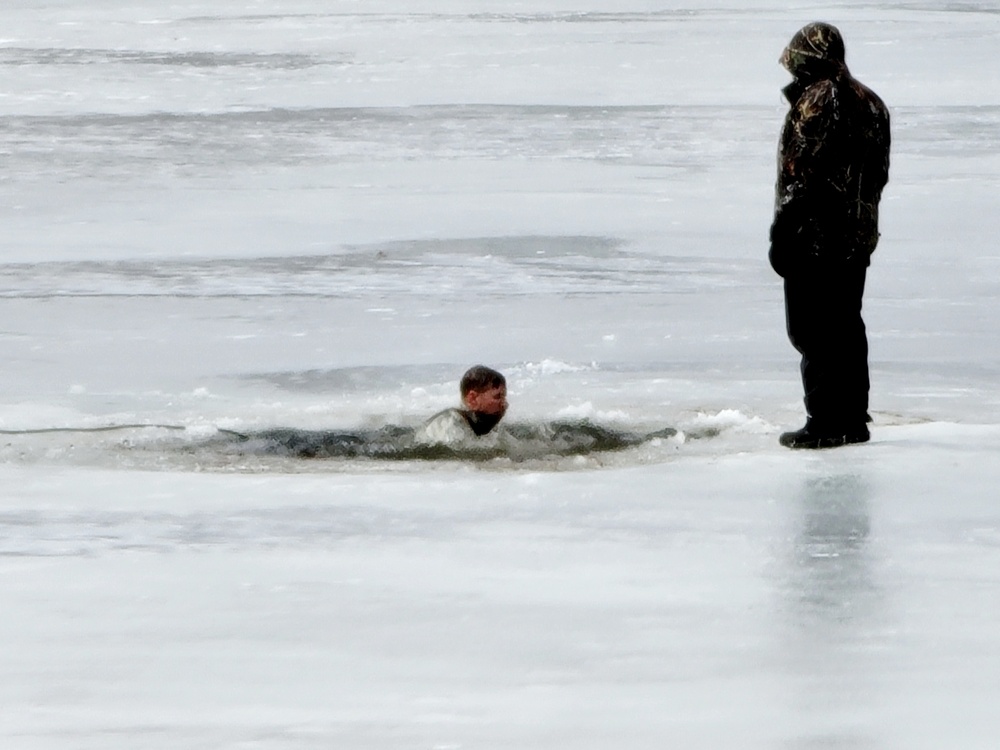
{"x": 823, "y": 315}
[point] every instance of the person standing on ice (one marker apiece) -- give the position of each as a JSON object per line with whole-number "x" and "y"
{"x": 832, "y": 165}
{"x": 484, "y": 402}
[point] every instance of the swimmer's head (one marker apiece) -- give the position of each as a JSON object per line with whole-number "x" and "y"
{"x": 484, "y": 391}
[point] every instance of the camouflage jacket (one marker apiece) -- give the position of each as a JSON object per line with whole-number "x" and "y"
{"x": 833, "y": 160}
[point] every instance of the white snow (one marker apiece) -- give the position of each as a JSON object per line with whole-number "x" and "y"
{"x": 229, "y": 216}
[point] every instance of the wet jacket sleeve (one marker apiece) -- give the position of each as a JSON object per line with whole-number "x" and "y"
{"x": 448, "y": 427}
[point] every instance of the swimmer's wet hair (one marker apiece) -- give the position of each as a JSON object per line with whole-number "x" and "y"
{"x": 480, "y": 378}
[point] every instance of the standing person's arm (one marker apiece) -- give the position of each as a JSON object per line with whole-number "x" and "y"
{"x": 807, "y": 161}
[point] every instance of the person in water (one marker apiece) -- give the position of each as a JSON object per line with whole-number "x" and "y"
{"x": 484, "y": 402}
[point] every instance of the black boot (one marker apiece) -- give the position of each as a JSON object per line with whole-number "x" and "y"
{"x": 812, "y": 437}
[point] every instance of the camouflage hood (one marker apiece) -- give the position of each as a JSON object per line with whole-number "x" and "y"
{"x": 815, "y": 53}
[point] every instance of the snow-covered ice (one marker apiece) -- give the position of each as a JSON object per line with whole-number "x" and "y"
{"x": 222, "y": 218}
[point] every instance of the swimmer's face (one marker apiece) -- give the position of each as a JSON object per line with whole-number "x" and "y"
{"x": 490, "y": 401}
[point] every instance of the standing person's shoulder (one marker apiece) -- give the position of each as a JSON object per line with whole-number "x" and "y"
{"x": 873, "y": 101}
{"x": 446, "y": 427}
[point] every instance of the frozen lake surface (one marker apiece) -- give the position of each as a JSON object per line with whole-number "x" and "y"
{"x": 233, "y": 220}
